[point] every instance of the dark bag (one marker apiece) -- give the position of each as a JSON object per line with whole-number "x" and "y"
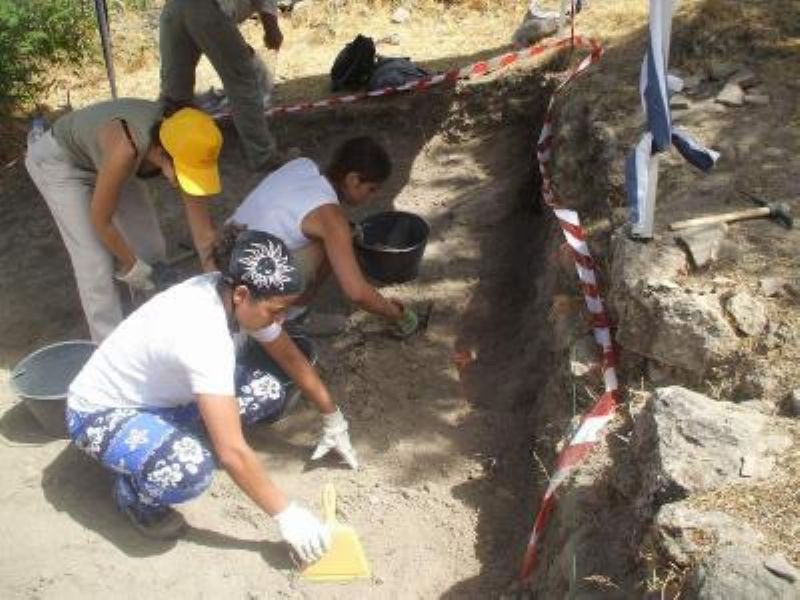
{"x": 392, "y": 72}
{"x": 353, "y": 65}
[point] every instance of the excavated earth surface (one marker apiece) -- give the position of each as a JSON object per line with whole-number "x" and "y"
{"x": 444, "y": 496}
{"x": 694, "y": 490}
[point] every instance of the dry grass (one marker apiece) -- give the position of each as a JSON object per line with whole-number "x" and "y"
{"x": 771, "y": 507}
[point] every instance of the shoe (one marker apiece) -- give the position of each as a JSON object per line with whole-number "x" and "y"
{"x": 165, "y": 524}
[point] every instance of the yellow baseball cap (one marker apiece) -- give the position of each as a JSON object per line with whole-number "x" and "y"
{"x": 193, "y": 141}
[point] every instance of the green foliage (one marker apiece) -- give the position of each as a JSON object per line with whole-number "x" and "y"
{"x": 36, "y": 35}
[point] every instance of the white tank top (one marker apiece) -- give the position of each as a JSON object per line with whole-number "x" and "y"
{"x": 281, "y": 201}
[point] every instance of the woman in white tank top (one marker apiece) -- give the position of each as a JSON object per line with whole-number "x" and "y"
{"x": 303, "y": 206}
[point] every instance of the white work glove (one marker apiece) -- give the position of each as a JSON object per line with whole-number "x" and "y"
{"x": 335, "y": 437}
{"x": 139, "y": 277}
{"x": 306, "y": 534}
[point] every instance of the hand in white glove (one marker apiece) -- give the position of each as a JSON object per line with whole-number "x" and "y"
{"x": 139, "y": 277}
{"x": 335, "y": 437}
{"x": 306, "y": 534}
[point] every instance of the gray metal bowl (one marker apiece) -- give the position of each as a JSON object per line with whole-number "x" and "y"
{"x": 42, "y": 378}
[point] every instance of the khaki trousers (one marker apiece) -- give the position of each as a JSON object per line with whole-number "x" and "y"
{"x": 190, "y": 28}
{"x": 68, "y": 190}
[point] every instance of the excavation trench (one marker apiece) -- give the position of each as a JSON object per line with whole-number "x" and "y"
{"x": 452, "y": 425}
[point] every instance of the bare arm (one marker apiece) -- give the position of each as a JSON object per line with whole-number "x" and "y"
{"x": 273, "y": 36}
{"x": 328, "y": 222}
{"x": 119, "y": 162}
{"x": 221, "y": 417}
{"x": 202, "y": 228}
{"x": 296, "y": 365}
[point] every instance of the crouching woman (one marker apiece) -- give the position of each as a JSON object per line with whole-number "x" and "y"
{"x": 168, "y": 381}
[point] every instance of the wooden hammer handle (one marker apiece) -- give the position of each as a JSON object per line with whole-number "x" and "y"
{"x": 737, "y": 215}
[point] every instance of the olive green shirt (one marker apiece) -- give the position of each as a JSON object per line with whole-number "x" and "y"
{"x": 77, "y": 132}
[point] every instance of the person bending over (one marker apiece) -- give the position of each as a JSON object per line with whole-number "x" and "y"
{"x": 303, "y": 206}
{"x": 164, "y": 396}
{"x": 90, "y": 168}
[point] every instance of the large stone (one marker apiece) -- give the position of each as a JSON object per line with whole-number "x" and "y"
{"x": 703, "y": 243}
{"x": 683, "y": 534}
{"x": 657, "y": 318}
{"x": 731, "y": 95}
{"x": 772, "y": 286}
{"x": 748, "y": 313}
{"x": 731, "y": 574}
{"x": 688, "y": 443}
{"x": 401, "y": 15}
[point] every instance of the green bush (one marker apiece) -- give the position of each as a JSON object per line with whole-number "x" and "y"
{"x": 36, "y": 35}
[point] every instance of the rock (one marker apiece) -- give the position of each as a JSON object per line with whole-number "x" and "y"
{"x": 688, "y": 443}
{"x": 401, "y": 15}
{"x": 691, "y": 83}
{"x": 749, "y": 314}
{"x": 393, "y": 39}
{"x": 678, "y": 102}
{"x": 778, "y": 565}
{"x": 719, "y": 70}
{"x": 744, "y": 78}
{"x": 794, "y": 403}
{"x": 731, "y": 95}
{"x": 534, "y": 29}
{"x": 703, "y": 243}
{"x": 772, "y": 286}
{"x": 659, "y": 319}
{"x": 683, "y": 534}
{"x": 584, "y": 355}
{"x": 735, "y": 575}
{"x": 759, "y": 99}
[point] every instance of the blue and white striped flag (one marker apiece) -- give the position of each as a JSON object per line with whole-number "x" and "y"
{"x": 655, "y": 86}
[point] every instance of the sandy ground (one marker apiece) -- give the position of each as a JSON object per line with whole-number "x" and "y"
{"x": 446, "y": 473}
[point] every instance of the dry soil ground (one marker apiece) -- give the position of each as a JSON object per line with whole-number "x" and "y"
{"x": 445, "y": 474}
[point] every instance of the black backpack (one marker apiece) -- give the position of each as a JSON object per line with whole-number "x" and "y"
{"x": 353, "y": 66}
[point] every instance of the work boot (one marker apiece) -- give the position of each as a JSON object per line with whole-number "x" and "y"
{"x": 165, "y": 524}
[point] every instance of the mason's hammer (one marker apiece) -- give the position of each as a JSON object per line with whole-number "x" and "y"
{"x": 779, "y": 211}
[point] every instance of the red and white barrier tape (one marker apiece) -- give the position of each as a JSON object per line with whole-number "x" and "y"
{"x": 590, "y": 431}
{"x": 475, "y": 70}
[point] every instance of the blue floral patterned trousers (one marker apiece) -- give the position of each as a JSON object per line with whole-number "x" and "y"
{"x": 161, "y": 456}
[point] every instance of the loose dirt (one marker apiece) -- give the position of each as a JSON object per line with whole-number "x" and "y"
{"x": 445, "y": 450}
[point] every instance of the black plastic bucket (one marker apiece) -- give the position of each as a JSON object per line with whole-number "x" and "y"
{"x": 390, "y": 245}
{"x": 42, "y": 379}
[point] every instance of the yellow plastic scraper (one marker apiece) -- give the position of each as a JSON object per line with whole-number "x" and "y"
{"x": 346, "y": 559}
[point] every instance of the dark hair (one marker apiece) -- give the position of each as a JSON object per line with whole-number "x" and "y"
{"x": 223, "y": 246}
{"x": 361, "y": 155}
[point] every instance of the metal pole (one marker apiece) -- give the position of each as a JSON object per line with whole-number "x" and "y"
{"x": 101, "y": 9}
